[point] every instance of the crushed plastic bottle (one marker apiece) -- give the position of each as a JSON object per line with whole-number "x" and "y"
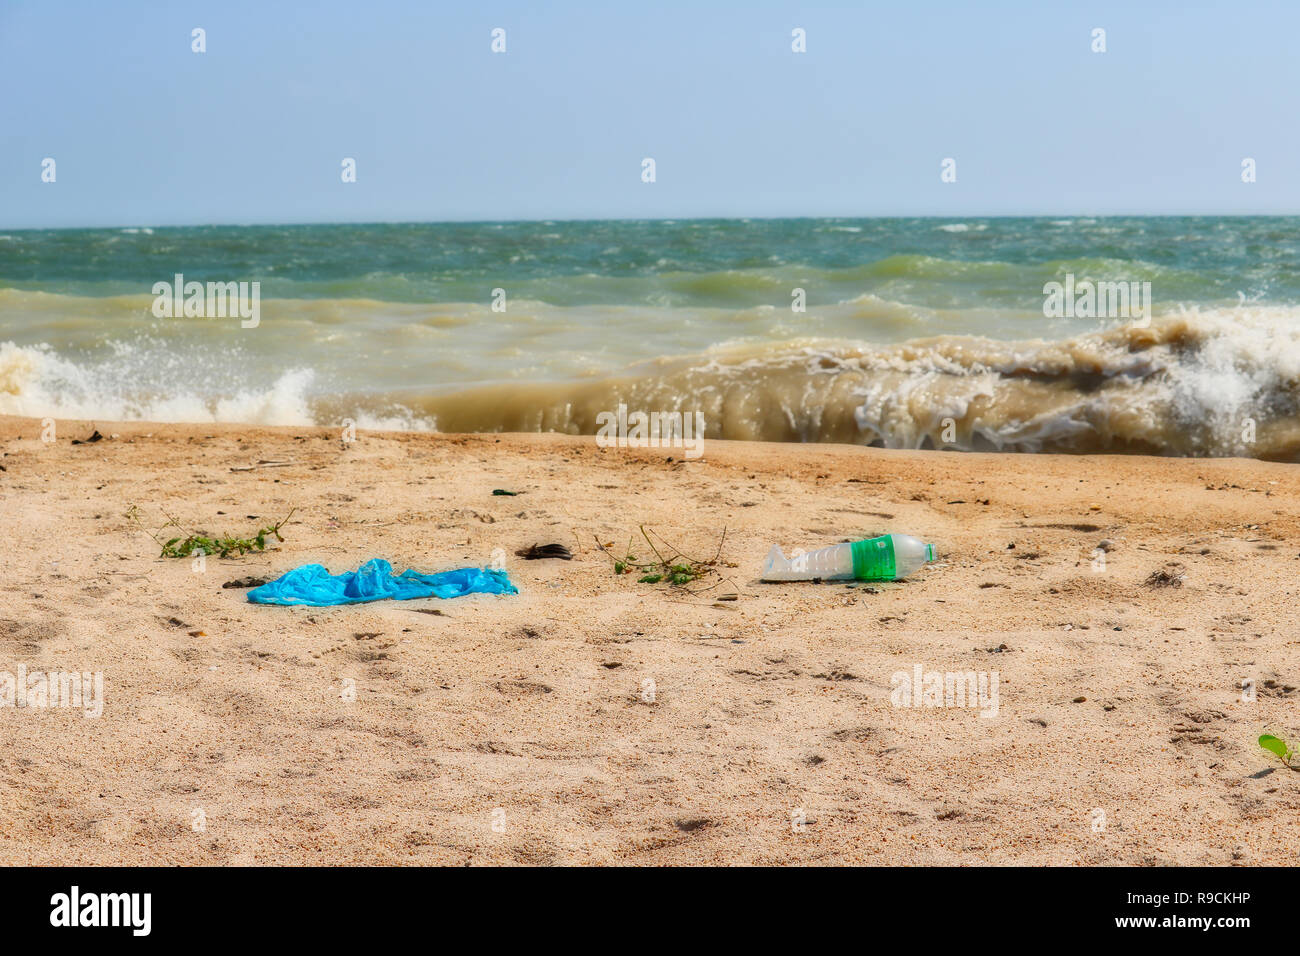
{"x": 887, "y": 558}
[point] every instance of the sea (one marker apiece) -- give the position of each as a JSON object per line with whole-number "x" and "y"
{"x": 961, "y": 334}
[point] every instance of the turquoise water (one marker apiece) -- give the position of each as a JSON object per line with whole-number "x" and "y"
{"x": 915, "y": 332}
{"x": 728, "y": 263}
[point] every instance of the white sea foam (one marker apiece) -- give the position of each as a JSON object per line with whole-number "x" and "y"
{"x": 1214, "y": 383}
{"x": 1201, "y": 382}
{"x": 35, "y": 382}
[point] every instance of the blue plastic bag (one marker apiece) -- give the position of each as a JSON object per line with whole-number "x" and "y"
{"x": 314, "y": 586}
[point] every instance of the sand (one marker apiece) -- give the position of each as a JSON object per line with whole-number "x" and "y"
{"x": 591, "y": 719}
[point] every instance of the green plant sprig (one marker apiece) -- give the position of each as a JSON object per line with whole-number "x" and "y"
{"x": 199, "y": 542}
{"x": 669, "y": 566}
{"x": 1280, "y": 748}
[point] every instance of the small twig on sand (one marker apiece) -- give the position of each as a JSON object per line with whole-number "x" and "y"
{"x": 265, "y": 463}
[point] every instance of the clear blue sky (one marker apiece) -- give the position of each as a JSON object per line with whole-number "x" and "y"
{"x": 145, "y": 132}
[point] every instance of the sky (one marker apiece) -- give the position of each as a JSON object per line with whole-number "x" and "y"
{"x": 146, "y": 132}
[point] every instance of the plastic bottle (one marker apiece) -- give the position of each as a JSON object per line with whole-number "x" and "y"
{"x": 887, "y": 558}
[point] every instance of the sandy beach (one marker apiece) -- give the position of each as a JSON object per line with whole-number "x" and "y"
{"x": 595, "y": 719}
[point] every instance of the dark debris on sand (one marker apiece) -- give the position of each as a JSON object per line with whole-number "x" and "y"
{"x": 540, "y": 551}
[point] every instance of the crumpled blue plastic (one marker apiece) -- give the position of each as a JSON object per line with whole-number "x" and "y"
{"x": 314, "y": 586}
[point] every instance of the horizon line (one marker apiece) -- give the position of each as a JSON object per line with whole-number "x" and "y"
{"x": 659, "y": 219}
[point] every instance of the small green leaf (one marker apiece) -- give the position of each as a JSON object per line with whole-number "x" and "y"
{"x": 1275, "y": 745}
{"x": 650, "y": 579}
